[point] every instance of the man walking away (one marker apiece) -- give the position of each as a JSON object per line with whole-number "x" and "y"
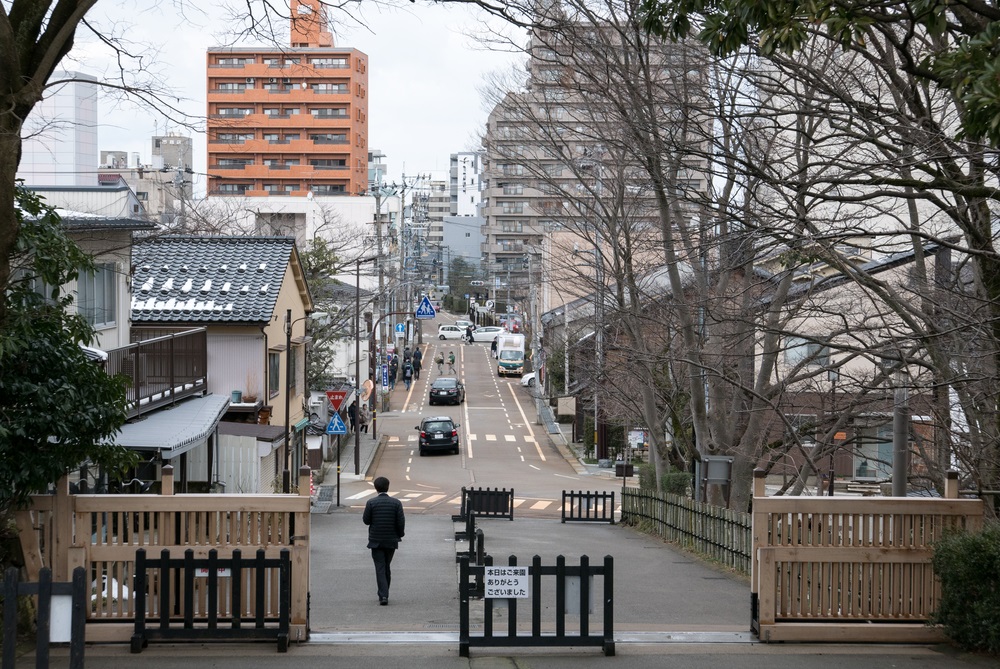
{"x": 352, "y": 414}
{"x": 407, "y": 374}
{"x": 386, "y": 524}
{"x": 451, "y": 362}
{"x": 418, "y": 359}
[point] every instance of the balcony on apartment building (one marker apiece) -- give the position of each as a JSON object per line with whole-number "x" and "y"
{"x": 162, "y": 366}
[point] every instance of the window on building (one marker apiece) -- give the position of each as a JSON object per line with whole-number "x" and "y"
{"x": 273, "y": 373}
{"x": 96, "y": 295}
{"x": 292, "y": 136}
{"x": 328, "y": 163}
{"x": 235, "y": 111}
{"x": 328, "y": 138}
{"x": 234, "y": 137}
{"x": 800, "y": 350}
{"x": 329, "y": 112}
{"x": 328, "y": 189}
{"x": 803, "y": 427}
{"x": 234, "y": 189}
{"x": 513, "y": 189}
{"x": 234, "y": 162}
{"x": 271, "y": 137}
{"x": 328, "y": 62}
{"x": 329, "y": 89}
{"x": 293, "y": 371}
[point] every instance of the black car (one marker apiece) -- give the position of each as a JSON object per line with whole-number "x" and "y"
{"x": 447, "y": 390}
{"x": 438, "y": 433}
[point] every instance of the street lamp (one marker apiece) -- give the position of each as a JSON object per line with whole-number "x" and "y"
{"x": 357, "y": 357}
{"x": 286, "y": 477}
{"x": 600, "y": 446}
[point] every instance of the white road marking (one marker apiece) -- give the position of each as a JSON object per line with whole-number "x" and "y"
{"x": 471, "y": 437}
{"x": 540, "y": 505}
{"x": 535, "y": 467}
{"x": 531, "y": 433}
{"x": 434, "y": 498}
{"x": 571, "y": 478}
{"x": 510, "y": 437}
{"x": 362, "y": 495}
{"x": 491, "y": 437}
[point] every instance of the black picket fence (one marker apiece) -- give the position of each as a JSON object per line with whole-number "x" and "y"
{"x": 44, "y": 590}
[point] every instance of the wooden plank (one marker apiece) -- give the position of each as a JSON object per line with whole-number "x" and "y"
{"x": 868, "y": 505}
{"x": 30, "y": 548}
{"x": 860, "y": 632}
{"x": 868, "y": 554}
{"x": 188, "y": 503}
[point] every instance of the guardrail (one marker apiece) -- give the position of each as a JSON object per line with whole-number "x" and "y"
{"x": 586, "y": 506}
{"x": 44, "y": 590}
{"x": 487, "y": 503}
{"x": 213, "y": 575}
{"x": 569, "y": 582}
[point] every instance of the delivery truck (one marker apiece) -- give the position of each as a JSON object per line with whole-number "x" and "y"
{"x": 510, "y": 354}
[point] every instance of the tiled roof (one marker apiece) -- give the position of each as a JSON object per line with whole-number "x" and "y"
{"x": 208, "y": 279}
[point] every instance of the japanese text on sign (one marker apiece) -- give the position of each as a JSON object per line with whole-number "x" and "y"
{"x": 506, "y": 582}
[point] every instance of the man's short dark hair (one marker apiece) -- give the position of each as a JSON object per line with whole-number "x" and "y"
{"x": 381, "y": 484}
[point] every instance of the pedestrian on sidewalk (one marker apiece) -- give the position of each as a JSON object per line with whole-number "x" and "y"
{"x": 364, "y": 416}
{"x": 440, "y": 363}
{"x": 386, "y": 524}
{"x": 493, "y": 347}
{"x": 451, "y": 362}
{"x": 418, "y": 359}
{"x": 407, "y": 374}
{"x": 393, "y": 368}
{"x": 352, "y": 414}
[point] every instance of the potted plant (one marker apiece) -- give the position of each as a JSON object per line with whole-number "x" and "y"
{"x": 250, "y": 395}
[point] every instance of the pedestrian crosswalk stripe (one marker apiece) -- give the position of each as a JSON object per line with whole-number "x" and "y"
{"x": 491, "y": 437}
{"x": 510, "y": 437}
{"x": 470, "y": 437}
{"x": 529, "y": 438}
{"x": 393, "y": 438}
{"x": 362, "y": 495}
{"x": 540, "y": 505}
{"x": 412, "y": 437}
{"x": 434, "y": 498}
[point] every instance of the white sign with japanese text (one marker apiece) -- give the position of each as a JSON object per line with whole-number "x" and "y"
{"x": 506, "y": 582}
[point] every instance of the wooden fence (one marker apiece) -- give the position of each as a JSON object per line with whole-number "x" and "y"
{"x": 850, "y": 568}
{"x": 720, "y": 534}
{"x": 102, "y": 533}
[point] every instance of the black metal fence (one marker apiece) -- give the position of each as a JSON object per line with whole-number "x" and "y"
{"x": 586, "y": 506}
{"x": 487, "y": 503}
{"x": 177, "y": 601}
{"x": 719, "y": 533}
{"x": 541, "y": 633}
{"x": 13, "y": 588}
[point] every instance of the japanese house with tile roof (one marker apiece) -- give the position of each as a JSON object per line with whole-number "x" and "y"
{"x": 240, "y": 289}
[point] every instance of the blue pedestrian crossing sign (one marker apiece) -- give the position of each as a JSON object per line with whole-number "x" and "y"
{"x": 426, "y": 309}
{"x": 336, "y": 425}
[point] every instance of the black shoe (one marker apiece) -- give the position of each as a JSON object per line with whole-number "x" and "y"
{"x": 384, "y": 601}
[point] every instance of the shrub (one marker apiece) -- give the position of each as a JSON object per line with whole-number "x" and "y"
{"x": 673, "y": 482}
{"x": 969, "y": 568}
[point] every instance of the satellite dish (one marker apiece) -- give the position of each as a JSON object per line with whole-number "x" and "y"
{"x": 367, "y": 385}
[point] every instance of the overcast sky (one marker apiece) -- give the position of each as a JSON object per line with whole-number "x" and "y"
{"x": 425, "y": 75}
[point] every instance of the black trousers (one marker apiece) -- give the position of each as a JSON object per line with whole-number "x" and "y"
{"x": 382, "y": 557}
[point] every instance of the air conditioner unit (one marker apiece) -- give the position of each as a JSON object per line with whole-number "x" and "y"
{"x": 250, "y": 80}
{"x": 272, "y": 80}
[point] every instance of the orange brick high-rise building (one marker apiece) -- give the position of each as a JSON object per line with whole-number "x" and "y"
{"x": 289, "y": 121}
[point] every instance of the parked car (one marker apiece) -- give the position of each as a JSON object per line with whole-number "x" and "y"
{"x": 438, "y": 433}
{"x": 463, "y": 324}
{"x": 450, "y": 332}
{"x": 528, "y": 380}
{"x": 446, "y": 390}
{"x": 487, "y": 333}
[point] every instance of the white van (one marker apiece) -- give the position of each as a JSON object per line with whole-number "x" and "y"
{"x": 450, "y": 332}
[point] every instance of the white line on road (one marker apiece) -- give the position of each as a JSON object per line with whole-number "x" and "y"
{"x": 531, "y": 432}
{"x": 535, "y": 467}
{"x": 571, "y": 478}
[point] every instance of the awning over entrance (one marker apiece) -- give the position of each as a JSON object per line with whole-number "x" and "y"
{"x": 177, "y": 429}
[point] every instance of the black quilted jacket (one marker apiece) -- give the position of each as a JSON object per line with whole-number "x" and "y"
{"x": 386, "y": 524}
